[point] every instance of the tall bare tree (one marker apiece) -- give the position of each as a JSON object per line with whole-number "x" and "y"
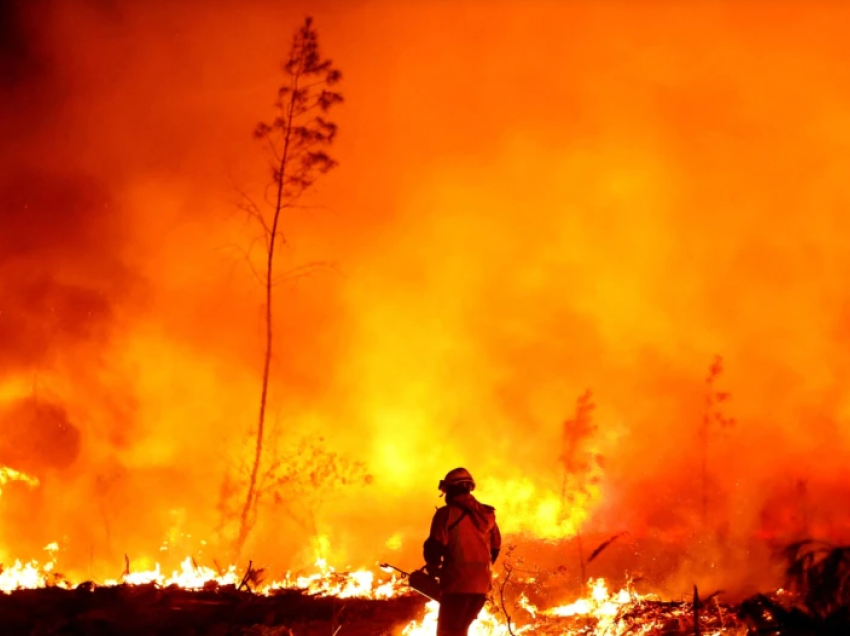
{"x": 713, "y": 416}
{"x": 296, "y": 140}
{"x": 577, "y": 461}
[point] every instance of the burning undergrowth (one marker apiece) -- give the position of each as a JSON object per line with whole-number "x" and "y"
{"x": 197, "y": 599}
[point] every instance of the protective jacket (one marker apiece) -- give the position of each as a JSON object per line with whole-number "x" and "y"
{"x": 463, "y": 543}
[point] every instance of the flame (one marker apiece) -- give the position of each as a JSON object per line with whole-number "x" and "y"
{"x": 24, "y": 576}
{"x": 600, "y": 612}
{"x": 325, "y": 581}
{"x": 190, "y": 576}
{"x": 487, "y": 624}
{"x": 10, "y": 474}
{"x": 599, "y": 603}
{"x": 31, "y": 575}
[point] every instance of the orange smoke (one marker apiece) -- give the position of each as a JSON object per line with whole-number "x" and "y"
{"x": 533, "y": 199}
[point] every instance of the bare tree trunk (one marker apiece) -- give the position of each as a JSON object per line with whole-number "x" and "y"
{"x": 575, "y": 434}
{"x": 704, "y": 468}
{"x": 705, "y": 430}
{"x": 295, "y": 140}
{"x": 249, "y": 508}
{"x": 582, "y": 564}
{"x": 696, "y": 612}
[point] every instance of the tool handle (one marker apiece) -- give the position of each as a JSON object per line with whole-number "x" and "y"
{"x": 399, "y": 570}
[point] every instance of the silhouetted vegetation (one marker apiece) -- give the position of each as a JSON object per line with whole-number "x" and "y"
{"x": 578, "y": 460}
{"x": 714, "y": 417}
{"x": 296, "y": 140}
{"x": 817, "y": 601}
{"x": 604, "y": 546}
{"x": 143, "y": 610}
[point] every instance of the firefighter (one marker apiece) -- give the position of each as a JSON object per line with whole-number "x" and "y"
{"x": 463, "y": 545}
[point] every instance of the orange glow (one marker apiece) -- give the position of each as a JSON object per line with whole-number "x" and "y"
{"x": 599, "y": 612}
{"x": 533, "y": 199}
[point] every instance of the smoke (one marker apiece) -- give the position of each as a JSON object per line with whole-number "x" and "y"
{"x": 532, "y": 200}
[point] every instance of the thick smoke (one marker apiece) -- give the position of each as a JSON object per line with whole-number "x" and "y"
{"x": 64, "y": 283}
{"x": 534, "y": 199}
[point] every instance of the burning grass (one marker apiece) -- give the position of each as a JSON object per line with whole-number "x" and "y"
{"x": 201, "y": 600}
{"x": 322, "y": 604}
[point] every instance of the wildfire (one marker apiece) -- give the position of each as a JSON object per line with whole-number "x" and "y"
{"x": 488, "y": 624}
{"x": 328, "y": 582}
{"x": 614, "y": 199}
{"x": 190, "y": 576}
{"x": 325, "y": 581}
{"x": 25, "y": 576}
{"x": 600, "y": 612}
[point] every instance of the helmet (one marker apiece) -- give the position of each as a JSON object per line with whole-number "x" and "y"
{"x": 456, "y": 477}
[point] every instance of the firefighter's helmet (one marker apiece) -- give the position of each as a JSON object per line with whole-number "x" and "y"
{"x": 457, "y": 477}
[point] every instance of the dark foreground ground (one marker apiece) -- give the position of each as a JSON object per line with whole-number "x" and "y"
{"x": 146, "y": 610}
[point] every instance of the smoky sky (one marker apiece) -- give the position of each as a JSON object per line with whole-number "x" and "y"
{"x": 18, "y": 60}
{"x": 29, "y": 88}
{"x": 51, "y": 295}
{"x": 60, "y": 229}
{"x": 61, "y": 273}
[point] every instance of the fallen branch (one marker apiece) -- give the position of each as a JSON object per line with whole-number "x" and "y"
{"x": 602, "y": 546}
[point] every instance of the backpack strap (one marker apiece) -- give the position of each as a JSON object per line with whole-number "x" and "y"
{"x": 458, "y": 520}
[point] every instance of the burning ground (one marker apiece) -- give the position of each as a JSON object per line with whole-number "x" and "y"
{"x": 201, "y": 600}
{"x": 561, "y": 197}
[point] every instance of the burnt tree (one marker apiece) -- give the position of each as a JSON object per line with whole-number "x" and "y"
{"x": 577, "y": 461}
{"x": 713, "y": 417}
{"x": 296, "y": 140}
